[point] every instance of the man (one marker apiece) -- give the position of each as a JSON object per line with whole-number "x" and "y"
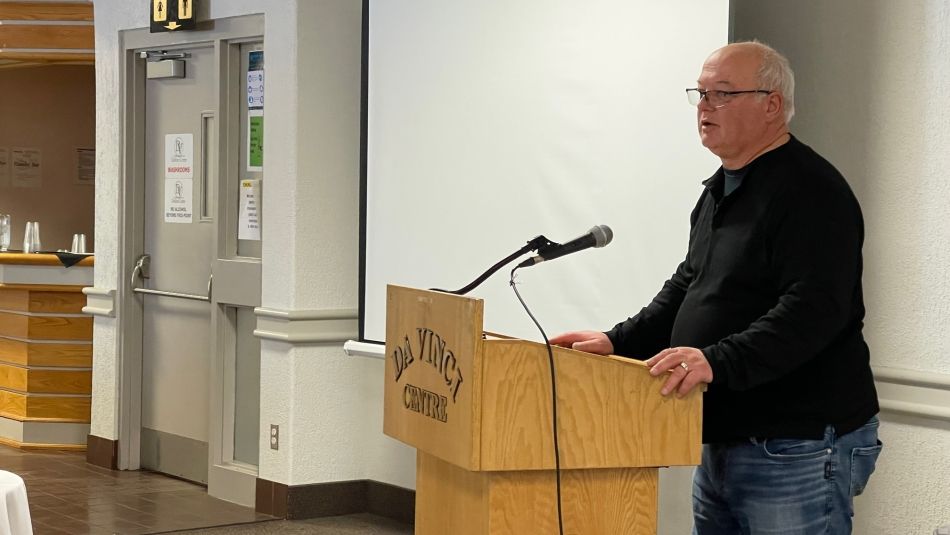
{"x": 767, "y": 309}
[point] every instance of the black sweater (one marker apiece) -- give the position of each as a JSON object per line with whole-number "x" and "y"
{"x": 770, "y": 291}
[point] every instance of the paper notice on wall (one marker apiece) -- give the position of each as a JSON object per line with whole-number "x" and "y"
{"x": 4, "y": 167}
{"x": 179, "y": 156}
{"x": 255, "y": 140}
{"x": 27, "y": 168}
{"x": 249, "y": 216}
{"x": 178, "y": 205}
{"x": 86, "y": 166}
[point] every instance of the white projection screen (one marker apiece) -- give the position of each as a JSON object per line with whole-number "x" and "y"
{"x": 489, "y": 122}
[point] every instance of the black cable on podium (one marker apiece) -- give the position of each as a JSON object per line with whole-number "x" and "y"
{"x": 557, "y": 452}
{"x": 598, "y": 236}
{"x": 541, "y": 245}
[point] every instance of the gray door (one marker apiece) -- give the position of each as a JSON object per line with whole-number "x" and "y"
{"x": 236, "y": 427}
{"x": 179, "y": 233}
{"x": 191, "y": 364}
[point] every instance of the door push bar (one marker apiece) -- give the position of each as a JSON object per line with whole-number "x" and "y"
{"x": 141, "y": 271}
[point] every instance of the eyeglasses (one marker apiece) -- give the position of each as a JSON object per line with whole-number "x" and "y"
{"x": 717, "y": 98}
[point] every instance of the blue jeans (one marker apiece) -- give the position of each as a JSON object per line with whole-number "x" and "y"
{"x": 783, "y": 486}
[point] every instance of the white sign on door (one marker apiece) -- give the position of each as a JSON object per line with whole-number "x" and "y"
{"x": 255, "y": 79}
{"x": 255, "y": 89}
{"x": 249, "y": 216}
{"x": 178, "y": 205}
{"x": 179, "y": 156}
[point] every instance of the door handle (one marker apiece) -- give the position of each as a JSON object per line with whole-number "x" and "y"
{"x": 141, "y": 272}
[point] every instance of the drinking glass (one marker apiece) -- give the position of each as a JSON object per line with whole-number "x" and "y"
{"x": 79, "y": 244}
{"x": 4, "y": 232}
{"x": 37, "y": 243}
{"x": 28, "y": 246}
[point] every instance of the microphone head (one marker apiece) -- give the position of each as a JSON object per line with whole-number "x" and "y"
{"x": 602, "y": 235}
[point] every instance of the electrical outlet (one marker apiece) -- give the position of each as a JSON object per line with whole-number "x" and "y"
{"x": 274, "y": 436}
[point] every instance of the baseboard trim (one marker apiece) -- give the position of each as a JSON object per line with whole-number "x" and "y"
{"x": 35, "y": 446}
{"x": 335, "y": 498}
{"x": 390, "y": 501}
{"x": 102, "y": 452}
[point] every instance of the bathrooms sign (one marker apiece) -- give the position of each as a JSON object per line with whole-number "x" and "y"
{"x": 172, "y": 15}
{"x": 179, "y": 156}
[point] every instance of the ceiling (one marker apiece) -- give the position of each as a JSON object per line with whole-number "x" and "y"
{"x": 46, "y": 32}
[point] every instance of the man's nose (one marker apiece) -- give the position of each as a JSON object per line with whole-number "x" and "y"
{"x": 704, "y": 104}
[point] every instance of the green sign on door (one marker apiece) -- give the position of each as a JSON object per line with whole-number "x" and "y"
{"x": 255, "y": 140}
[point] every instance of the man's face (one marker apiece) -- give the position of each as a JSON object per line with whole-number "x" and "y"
{"x": 739, "y": 125}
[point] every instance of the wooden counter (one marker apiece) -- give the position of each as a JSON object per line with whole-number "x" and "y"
{"x": 40, "y": 259}
{"x": 45, "y": 352}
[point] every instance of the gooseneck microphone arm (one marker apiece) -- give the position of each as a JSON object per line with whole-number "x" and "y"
{"x": 538, "y": 244}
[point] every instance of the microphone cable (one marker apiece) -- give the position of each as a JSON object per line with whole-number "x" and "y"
{"x": 557, "y": 453}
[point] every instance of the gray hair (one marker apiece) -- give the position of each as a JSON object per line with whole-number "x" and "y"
{"x": 775, "y": 74}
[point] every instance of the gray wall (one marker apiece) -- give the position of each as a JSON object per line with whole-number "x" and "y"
{"x": 872, "y": 81}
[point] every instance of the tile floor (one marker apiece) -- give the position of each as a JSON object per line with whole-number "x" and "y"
{"x": 68, "y": 495}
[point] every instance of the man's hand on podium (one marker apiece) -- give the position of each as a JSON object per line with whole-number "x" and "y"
{"x": 687, "y": 367}
{"x": 588, "y": 341}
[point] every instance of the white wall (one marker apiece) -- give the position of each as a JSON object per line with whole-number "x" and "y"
{"x": 334, "y": 402}
{"x": 323, "y": 400}
{"x": 872, "y": 79}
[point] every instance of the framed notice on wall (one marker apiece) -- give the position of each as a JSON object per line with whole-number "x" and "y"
{"x": 86, "y": 166}
{"x": 27, "y": 167}
{"x": 4, "y": 167}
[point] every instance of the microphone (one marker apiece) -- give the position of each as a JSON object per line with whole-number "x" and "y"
{"x": 598, "y": 236}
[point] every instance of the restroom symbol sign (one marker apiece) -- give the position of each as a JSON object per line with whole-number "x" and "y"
{"x": 172, "y": 15}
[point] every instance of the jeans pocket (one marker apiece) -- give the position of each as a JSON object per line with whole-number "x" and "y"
{"x": 863, "y": 461}
{"x": 791, "y": 449}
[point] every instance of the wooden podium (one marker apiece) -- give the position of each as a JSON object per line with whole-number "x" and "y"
{"x": 478, "y": 409}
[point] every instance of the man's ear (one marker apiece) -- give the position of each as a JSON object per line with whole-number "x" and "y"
{"x": 776, "y": 105}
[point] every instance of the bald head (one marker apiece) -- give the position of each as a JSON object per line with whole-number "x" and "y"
{"x": 763, "y": 66}
{"x": 746, "y": 53}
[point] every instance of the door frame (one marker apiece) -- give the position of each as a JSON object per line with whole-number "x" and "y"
{"x": 226, "y": 36}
